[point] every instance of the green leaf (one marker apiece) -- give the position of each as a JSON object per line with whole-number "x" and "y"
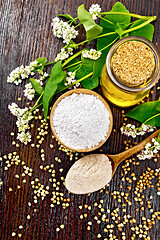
{"x": 40, "y": 101}
{"x": 73, "y": 68}
{"x": 56, "y": 77}
{"x": 119, "y": 28}
{"x": 148, "y": 113}
{"x": 93, "y": 83}
{"x": 92, "y": 29}
{"x": 111, "y": 23}
{"x": 90, "y": 82}
{"x": 61, "y": 85}
{"x": 40, "y": 66}
{"x": 101, "y": 43}
{"x": 119, "y": 7}
{"x": 115, "y": 18}
{"x": 86, "y": 68}
{"x": 146, "y": 31}
{"x": 37, "y": 87}
{"x": 154, "y": 121}
{"x": 68, "y": 16}
{"x": 42, "y": 60}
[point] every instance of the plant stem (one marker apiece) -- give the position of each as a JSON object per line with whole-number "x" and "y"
{"x": 139, "y": 26}
{"x": 77, "y": 54}
{"x": 81, "y": 79}
{"x": 68, "y": 21}
{"x": 106, "y": 20}
{"x": 151, "y": 118}
{"x": 72, "y": 57}
{"x": 109, "y": 44}
{"x": 73, "y": 64}
{"x": 78, "y": 25}
{"x": 47, "y": 64}
{"x": 131, "y": 23}
{"x": 35, "y": 105}
{"x": 128, "y": 14}
{"x": 87, "y": 40}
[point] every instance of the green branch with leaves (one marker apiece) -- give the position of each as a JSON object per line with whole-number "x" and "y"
{"x": 115, "y": 25}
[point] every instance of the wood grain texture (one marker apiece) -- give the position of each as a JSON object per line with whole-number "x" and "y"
{"x": 26, "y": 34}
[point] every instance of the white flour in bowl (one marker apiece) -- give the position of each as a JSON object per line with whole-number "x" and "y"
{"x": 81, "y": 121}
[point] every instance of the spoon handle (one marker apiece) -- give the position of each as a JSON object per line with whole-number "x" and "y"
{"x": 118, "y": 158}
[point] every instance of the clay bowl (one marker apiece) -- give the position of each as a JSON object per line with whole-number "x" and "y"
{"x": 84, "y": 91}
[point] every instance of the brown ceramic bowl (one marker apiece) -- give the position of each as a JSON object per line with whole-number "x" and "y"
{"x": 85, "y": 91}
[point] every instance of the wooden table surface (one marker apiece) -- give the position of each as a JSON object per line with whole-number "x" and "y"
{"x": 26, "y": 34}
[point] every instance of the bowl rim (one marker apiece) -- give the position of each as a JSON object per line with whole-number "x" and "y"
{"x": 84, "y": 91}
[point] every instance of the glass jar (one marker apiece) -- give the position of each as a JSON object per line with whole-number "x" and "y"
{"x": 123, "y": 95}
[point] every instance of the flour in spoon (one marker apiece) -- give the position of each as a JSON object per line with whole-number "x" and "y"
{"x": 81, "y": 121}
{"x": 89, "y": 174}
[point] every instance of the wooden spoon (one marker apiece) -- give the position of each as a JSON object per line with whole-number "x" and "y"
{"x": 92, "y": 172}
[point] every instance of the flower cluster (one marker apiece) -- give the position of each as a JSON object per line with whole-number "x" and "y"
{"x": 131, "y": 130}
{"x": 21, "y": 72}
{"x": 92, "y": 54}
{"x": 64, "y": 54}
{"x": 150, "y": 150}
{"x": 16, "y": 111}
{"x": 94, "y": 10}
{"x": 24, "y": 137}
{"x": 63, "y": 30}
{"x": 23, "y": 118}
{"x": 29, "y": 90}
{"x": 71, "y": 79}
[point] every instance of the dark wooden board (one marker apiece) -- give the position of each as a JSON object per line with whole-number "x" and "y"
{"x": 26, "y": 34}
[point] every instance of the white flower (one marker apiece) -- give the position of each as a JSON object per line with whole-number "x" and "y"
{"x": 24, "y": 137}
{"x": 22, "y": 122}
{"x": 21, "y": 72}
{"x": 92, "y": 54}
{"x": 29, "y": 91}
{"x": 64, "y": 54}
{"x": 16, "y": 111}
{"x": 155, "y": 150}
{"x": 13, "y": 108}
{"x": 131, "y": 130}
{"x": 63, "y": 30}
{"x": 94, "y": 10}
{"x": 71, "y": 79}
{"x": 76, "y": 85}
{"x": 156, "y": 143}
{"x": 148, "y": 145}
{"x": 45, "y": 75}
{"x": 33, "y": 64}
{"x": 149, "y": 150}
{"x": 144, "y": 127}
{"x": 23, "y": 118}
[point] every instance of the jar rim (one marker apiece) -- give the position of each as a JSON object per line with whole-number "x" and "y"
{"x": 156, "y": 55}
